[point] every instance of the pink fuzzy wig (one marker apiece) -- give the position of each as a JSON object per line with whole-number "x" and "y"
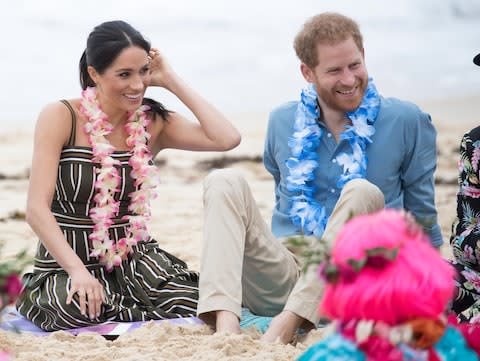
{"x": 417, "y": 283}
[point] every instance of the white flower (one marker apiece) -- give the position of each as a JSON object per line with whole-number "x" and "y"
{"x": 363, "y": 330}
{"x": 400, "y": 334}
{"x": 362, "y": 128}
{"x": 349, "y": 163}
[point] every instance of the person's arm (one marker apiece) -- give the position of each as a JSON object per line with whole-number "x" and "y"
{"x": 269, "y": 161}
{"x": 418, "y": 174}
{"x": 269, "y": 153}
{"x": 468, "y": 195}
{"x": 51, "y": 133}
{"x": 213, "y": 132}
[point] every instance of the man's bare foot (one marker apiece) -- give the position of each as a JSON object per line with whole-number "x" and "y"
{"x": 227, "y": 323}
{"x": 283, "y": 327}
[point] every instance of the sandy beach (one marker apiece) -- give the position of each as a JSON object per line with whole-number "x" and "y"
{"x": 177, "y": 225}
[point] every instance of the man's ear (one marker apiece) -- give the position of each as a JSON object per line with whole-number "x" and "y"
{"x": 92, "y": 73}
{"x": 307, "y": 73}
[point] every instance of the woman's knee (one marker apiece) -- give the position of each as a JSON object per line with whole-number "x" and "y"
{"x": 222, "y": 180}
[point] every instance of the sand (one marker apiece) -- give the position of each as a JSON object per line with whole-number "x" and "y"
{"x": 177, "y": 225}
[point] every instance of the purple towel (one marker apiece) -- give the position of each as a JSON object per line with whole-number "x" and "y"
{"x": 12, "y": 321}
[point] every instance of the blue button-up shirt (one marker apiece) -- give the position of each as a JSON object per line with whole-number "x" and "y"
{"x": 401, "y": 162}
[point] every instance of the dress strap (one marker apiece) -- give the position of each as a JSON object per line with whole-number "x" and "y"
{"x": 71, "y": 140}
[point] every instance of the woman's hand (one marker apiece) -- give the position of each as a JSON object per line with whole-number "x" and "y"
{"x": 213, "y": 132}
{"x": 161, "y": 72}
{"x": 90, "y": 293}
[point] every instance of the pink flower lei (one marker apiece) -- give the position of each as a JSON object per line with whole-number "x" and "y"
{"x": 109, "y": 253}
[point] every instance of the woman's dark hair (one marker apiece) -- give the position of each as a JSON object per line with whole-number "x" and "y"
{"x": 104, "y": 44}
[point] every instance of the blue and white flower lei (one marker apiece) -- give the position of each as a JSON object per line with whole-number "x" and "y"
{"x": 305, "y": 211}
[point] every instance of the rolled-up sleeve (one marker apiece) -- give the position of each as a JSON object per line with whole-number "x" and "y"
{"x": 269, "y": 152}
{"x": 418, "y": 174}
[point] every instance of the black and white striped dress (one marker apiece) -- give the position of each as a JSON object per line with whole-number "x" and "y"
{"x": 151, "y": 284}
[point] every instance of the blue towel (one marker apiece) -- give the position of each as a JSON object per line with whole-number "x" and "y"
{"x": 262, "y": 323}
{"x": 248, "y": 319}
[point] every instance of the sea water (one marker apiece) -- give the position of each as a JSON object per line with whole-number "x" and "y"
{"x": 238, "y": 54}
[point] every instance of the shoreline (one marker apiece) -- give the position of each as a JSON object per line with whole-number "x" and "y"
{"x": 463, "y": 108}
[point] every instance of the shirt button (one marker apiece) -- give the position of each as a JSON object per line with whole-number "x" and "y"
{"x": 334, "y": 160}
{"x": 329, "y": 135}
{"x": 332, "y": 190}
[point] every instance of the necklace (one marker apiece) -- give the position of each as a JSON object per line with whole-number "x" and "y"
{"x": 305, "y": 211}
{"x": 109, "y": 253}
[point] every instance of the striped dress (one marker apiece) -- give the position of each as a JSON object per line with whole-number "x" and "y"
{"x": 150, "y": 284}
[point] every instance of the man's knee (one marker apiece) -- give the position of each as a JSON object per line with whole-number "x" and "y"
{"x": 366, "y": 192}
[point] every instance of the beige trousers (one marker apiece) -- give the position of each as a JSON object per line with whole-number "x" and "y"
{"x": 244, "y": 264}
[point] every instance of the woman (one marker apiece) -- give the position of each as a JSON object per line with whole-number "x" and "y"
{"x": 388, "y": 289}
{"x": 91, "y": 179}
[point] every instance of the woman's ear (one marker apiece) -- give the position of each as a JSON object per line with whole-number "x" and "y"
{"x": 307, "y": 73}
{"x": 92, "y": 73}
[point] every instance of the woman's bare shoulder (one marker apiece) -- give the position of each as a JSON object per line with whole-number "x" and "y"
{"x": 55, "y": 120}
{"x": 58, "y": 110}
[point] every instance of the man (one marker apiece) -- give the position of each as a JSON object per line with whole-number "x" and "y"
{"x": 317, "y": 152}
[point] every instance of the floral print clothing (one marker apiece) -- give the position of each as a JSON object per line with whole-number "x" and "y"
{"x": 465, "y": 239}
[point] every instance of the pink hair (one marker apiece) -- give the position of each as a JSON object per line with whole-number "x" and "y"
{"x": 418, "y": 283}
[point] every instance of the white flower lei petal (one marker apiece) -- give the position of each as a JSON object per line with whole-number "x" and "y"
{"x": 400, "y": 334}
{"x": 305, "y": 211}
{"x": 144, "y": 173}
{"x": 363, "y": 330}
